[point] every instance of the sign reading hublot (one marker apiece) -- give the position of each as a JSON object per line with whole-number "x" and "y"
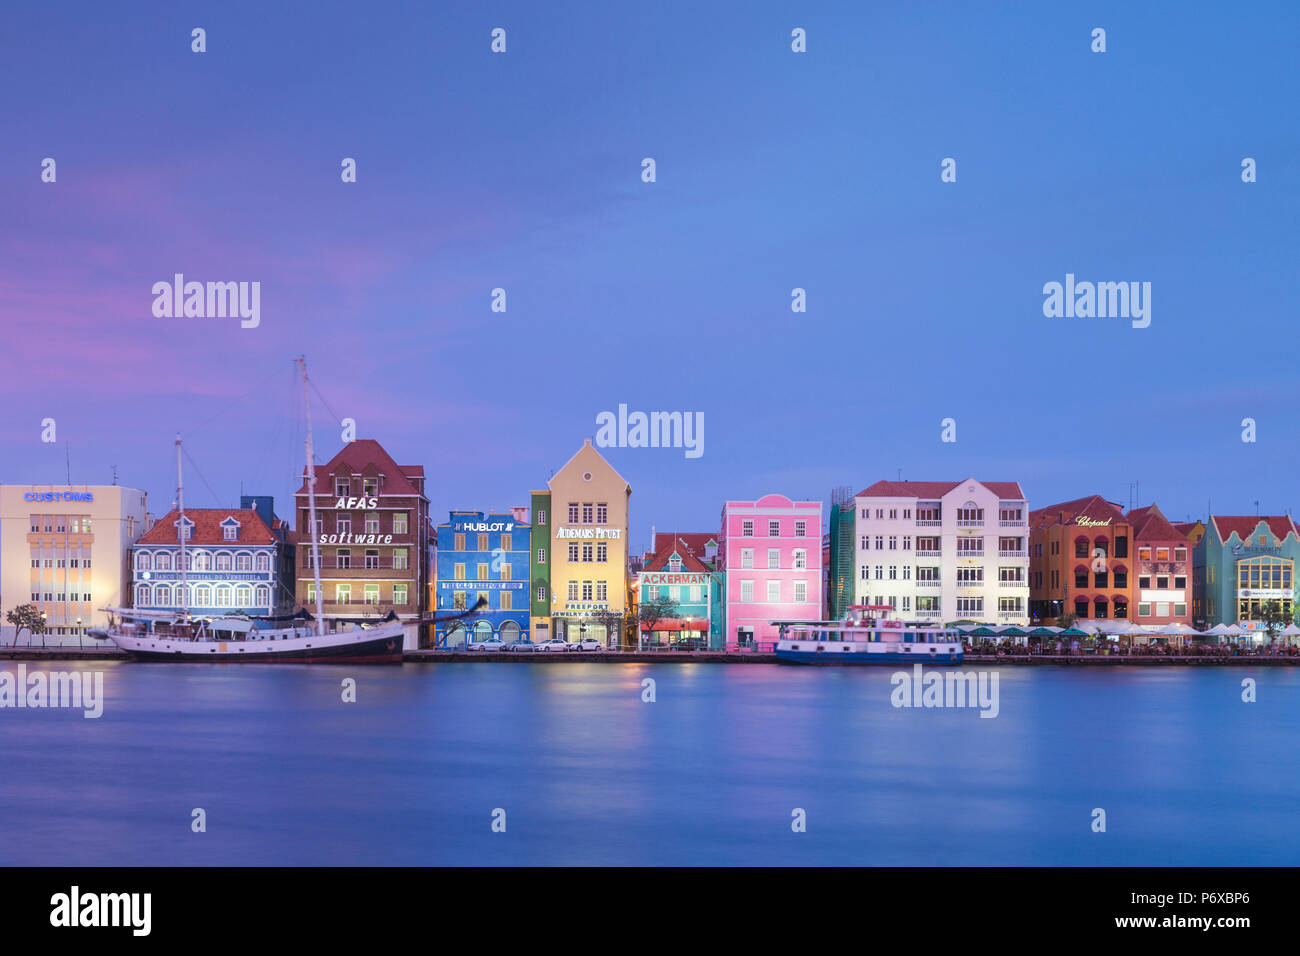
{"x": 484, "y": 526}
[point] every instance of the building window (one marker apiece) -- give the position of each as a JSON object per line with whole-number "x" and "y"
{"x": 573, "y": 590}
{"x": 343, "y": 594}
{"x": 602, "y": 591}
{"x": 541, "y": 594}
{"x": 482, "y": 571}
{"x": 587, "y": 552}
{"x": 746, "y": 558}
{"x": 800, "y": 559}
{"x": 229, "y": 532}
{"x": 399, "y": 559}
{"x": 343, "y": 523}
{"x": 372, "y": 593}
{"x": 541, "y": 517}
{"x": 773, "y": 558}
{"x": 484, "y": 544}
{"x": 505, "y": 571}
{"x": 774, "y": 529}
{"x": 773, "y": 592}
{"x": 507, "y": 543}
{"x": 746, "y": 592}
{"x": 399, "y": 522}
{"x": 602, "y": 513}
{"x": 541, "y": 555}
{"x": 506, "y": 603}
{"x": 372, "y": 559}
{"x": 602, "y": 553}
{"x": 801, "y": 529}
{"x": 342, "y": 487}
{"x": 243, "y": 562}
{"x": 458, "y": 572}
{"x": 573, "y": 512}
{"x": 573, "y": 551}
{"x": 586, "y": 590}
{"x": 372, "y": 523}
{"x": 747, "y": 528}
{"x": 343, "y": 559}
{"x": 586, "y": 512}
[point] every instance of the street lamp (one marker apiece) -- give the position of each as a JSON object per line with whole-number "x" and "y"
{"x": 44, "y": 625}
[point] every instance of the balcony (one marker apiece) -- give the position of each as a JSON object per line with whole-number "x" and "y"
{"x": 1004, "y": 523}
{"x": 1012, "y": 554}
{"x": 929, "y": 615}
{"x": 1013, "y": 584}
{"x": 1010, "y": 615}
{"x": 929, "y": 523}
{"x": 928, "y": 554}
{"x": 929, "y": 584}
{"x": 971, "y": 554}
{"x": 970, "y": 522}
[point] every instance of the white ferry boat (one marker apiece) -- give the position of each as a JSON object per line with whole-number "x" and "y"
{"x": 868, "y": 635}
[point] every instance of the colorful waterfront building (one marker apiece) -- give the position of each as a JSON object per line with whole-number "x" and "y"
{"x": 694, "y": 591}
{"x": 939, "y": 550}
{"x": 702, "y": 544}
{"x": 579, "y": 553}
{"x": 1163, "y": 571}
{"x": 67, "y": 550}
{"x": 237, "y": 561}
{"x": 374, "y": 535}
{"x": 1079, "y": 560}
{"x": 771, "y": 563}
{"x": 483, "y": 555}
{"x": 1241, "y": 565}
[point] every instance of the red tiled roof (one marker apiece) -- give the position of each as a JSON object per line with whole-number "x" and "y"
{"x": 366, "y": 457}
{"x": 695, "y": 540}
{"x": 935, "y": 489}
{"x": 1185, "y": 527}
{"x": 1092, "y": 506}
{"x": 1150, "y": 525}
{"x": 1244, "y": 525}
{"x": 660, "y": 561}
{"x": 207, "y": 527}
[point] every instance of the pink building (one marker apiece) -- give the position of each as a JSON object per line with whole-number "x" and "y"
{"x": 770, "y": 554}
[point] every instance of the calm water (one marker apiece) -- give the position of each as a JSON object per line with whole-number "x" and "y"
{"x": 708, "y": 774}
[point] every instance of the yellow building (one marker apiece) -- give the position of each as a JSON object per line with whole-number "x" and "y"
{"x": 588, "y": 545}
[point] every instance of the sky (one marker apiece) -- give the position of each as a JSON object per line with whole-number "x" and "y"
{"x": 775, "y": 170}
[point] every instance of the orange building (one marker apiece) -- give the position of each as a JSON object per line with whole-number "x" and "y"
{"x": 1079, "y": 560}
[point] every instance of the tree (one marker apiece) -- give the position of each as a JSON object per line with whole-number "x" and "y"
{"x": 652, "y": 612}
{"x": 613, "y": 622}
{"x": 26, "y": 617}
{"x": 1274, "y": 618}
{"x": 1065, "y": 619}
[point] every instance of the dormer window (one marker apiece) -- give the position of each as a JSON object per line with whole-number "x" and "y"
{"x": 675, "y": 563}
{"x": 370, "y": 487}
{"x": 342, "y": 488}
{"x": 184, "y": 529}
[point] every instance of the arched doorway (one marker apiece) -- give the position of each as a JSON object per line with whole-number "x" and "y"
{"x": 455, "y": 636}
{"x": 482, "y": 631}
{"x": 510, "y": 632}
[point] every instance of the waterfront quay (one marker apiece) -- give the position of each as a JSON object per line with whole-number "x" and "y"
{"x": 432, "y": 655}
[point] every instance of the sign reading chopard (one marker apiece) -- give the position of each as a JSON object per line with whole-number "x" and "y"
{"x": 588, "y": 532}
{"x": 1084, "y": 521}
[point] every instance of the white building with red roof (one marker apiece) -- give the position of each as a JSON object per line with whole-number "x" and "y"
{"x": 234, "y": 562}
{"x": 944, "y": 550}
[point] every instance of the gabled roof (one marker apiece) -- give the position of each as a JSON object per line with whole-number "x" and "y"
{"x": 1091, "y": 506}
{"x": 207, "y": 528}
{"x": 1244, "y": 525}
{"x": 1149, "y": 524}
{"x": 927, "y": 490}
{"x": 586, "y": 444}
{"x": 697, "y": 541}
{"x": 366, "y": 457}
{"x": 675, "y": 546}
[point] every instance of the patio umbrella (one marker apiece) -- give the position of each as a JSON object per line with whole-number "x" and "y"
{"x": 1012, "y": 631}
{"x": 1045, "y": 631}
{"x": 982, "y": 631}
{"x": 1073, "y": 631}
{"x": 1119, "y": 627}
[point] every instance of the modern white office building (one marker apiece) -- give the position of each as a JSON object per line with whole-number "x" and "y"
{"x": 66, "y": 549}
{"x": 944, "y": 550}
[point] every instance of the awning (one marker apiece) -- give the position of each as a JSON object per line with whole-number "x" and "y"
{"x": 677, "y": 624}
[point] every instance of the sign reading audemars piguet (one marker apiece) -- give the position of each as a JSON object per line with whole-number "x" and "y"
{"x": 588, "y": 532}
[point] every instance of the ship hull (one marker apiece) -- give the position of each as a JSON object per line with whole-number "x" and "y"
{"x": 362, "y": 647}
{"x": 835, "y": 657}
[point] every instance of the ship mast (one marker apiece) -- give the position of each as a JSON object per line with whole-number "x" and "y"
{"x": 180, "y": 530}
{"x": 311, "y": 504}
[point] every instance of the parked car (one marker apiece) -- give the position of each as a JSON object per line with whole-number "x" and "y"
{"x": 554, "y": 644}
{"x": 691, "y": 644}
{"x": 523, "y": 645}
{"x": 491, "y": 644}
{"x": 587, "y": 644}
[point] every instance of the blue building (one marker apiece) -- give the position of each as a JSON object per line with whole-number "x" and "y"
{"x": 483, "y": 554}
